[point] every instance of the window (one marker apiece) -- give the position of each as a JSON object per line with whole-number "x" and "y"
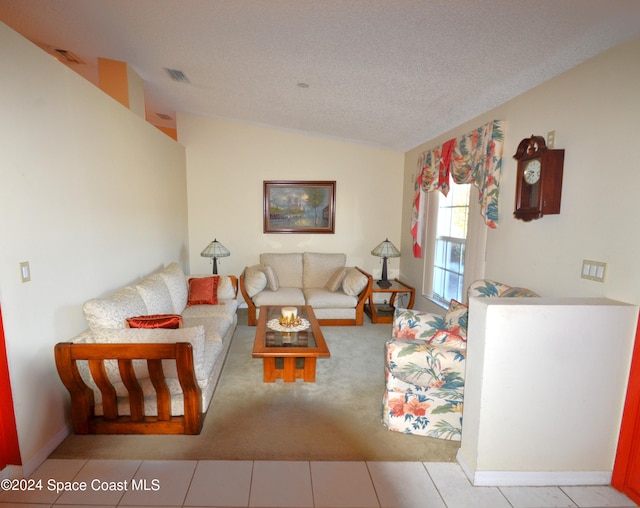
{"x": 455, "y": 243}
{"x": 451, "y": 237}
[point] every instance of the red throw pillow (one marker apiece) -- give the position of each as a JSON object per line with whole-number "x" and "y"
{"x": 156, "y": 321}
{"x": 203, "y": 291}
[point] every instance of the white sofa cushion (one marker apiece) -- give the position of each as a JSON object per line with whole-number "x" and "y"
{"x": 226, "y": 291}
{"x": 288, "y": 267}
{"x": 155, "y": 294}
{"x": 284, "y": 296}
{"x": 322, "y": 298}
{"x": 112, "y": 312}
{"x": 254, "y": 280}
{"x": 272, "y": 278}
{"x": 318, "y": 268}
{"x": 354, "y": 282}
{"x": 225, "y": 308}
{"x": 176, "y": 282}
{"x": 335, "y": 282}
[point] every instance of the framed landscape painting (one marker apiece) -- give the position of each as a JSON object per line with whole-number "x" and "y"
{"x": 299, "y": 206}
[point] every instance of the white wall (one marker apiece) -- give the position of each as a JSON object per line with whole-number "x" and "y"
{"x": 544, "y": 389}
{"x": 227, "y": 163}
{"x": 594, "y": 109}
{"x": 93, "y": 198}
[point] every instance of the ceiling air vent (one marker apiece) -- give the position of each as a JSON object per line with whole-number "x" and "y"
{"x": 177, "y": 75}
{"x": 164, "y": 116}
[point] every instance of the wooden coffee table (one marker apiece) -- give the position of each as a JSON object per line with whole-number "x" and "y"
{"x": 289, "y": 355}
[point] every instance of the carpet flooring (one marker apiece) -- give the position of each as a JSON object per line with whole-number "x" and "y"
{"x": 336, "y": 418}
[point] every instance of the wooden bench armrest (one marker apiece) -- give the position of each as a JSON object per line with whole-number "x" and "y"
{"x": 85, "y": 421}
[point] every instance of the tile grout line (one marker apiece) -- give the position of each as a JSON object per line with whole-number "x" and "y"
{"x": 424, "y": 465}
{"x": 186, "y": 493}
{"x": 373, "y": 483}
{"x": 313, "y": 496}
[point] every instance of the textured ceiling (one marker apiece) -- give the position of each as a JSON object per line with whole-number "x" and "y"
{"x": 389, "y": 73}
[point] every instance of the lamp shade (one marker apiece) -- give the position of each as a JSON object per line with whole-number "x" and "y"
{"x": 215, "y": 250}
{"x": 386, "y": 250}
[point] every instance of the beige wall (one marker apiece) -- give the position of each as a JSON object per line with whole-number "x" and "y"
{"x": 93, "y": 197}
{"x": 227, "y": 163}
{"x": 594, "y": 110}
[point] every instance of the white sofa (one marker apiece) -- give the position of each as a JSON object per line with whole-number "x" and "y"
{"x": 336, "y": 292}
{"x": 105, "y": 399}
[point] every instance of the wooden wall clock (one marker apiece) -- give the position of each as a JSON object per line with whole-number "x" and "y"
{"x": 539, "y": 179}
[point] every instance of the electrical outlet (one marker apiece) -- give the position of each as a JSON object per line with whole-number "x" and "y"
{"x": 551, "y": 139}
{"x": 593, "y": 270}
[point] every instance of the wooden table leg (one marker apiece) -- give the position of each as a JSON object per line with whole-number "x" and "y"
{"x": 310, "y": 369}
{"x": 269, "y": 369}
{"x": 289, "y": 370}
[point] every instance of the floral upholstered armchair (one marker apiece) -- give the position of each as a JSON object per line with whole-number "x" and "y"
{"x": 425, "y": 366}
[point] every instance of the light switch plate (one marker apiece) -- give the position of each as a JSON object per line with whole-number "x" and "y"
{"x": 593, "y": 270}
{"x": 25, "y": 271}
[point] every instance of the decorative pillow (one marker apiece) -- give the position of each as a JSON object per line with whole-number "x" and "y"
{"x": 156, "y": 321}
{"x": 203, "y": 291}
{"x": 448, "y": 339}
{"x": 354, "y": 282}
{"x": 254, "y": 280}
{"x": 456, "y": 318}
{"x": 272, "y": 277}
{"x": 336, "y": 279}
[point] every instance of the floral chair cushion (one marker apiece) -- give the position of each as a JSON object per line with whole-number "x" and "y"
{"x": 425, "y": 365}
{"x": 412, "y": 324}
{"x": 425, "y": 386}
{"x": 423, "y": 414}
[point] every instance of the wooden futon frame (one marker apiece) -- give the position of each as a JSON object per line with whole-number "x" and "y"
{"x": 85, "y": 421}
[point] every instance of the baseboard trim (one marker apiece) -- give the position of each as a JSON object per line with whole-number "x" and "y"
{"x": 34, "y": 462}
{"x": 533, "y": 478}
{"x": 11, "y": 472}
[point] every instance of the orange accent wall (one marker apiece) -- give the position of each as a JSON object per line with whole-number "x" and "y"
{"x": 172, "y": 133}
{"x": 9, "y": 447}
{"x": 113, "y": 79}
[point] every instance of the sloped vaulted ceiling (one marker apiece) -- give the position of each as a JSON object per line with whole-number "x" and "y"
{"x": 390, "y": 73}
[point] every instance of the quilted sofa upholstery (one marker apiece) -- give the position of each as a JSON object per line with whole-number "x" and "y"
{"x": 336, "y": 292}
{"x": 208, "y": 328}
{"x": 425, "y": 366}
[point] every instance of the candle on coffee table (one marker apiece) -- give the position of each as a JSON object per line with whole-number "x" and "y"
{"x": 290, "y": 313}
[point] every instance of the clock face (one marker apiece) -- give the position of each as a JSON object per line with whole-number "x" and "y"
{"x": 532, "y": 172}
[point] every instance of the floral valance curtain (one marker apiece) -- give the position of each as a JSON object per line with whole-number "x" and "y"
{"x": 476, "y": 158}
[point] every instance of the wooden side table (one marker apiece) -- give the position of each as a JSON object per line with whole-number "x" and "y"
{"x": 383, "y": 313}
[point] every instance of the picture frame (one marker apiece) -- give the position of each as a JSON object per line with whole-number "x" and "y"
{"x": 293, "y": 206}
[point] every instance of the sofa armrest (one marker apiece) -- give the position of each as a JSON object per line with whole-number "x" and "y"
{"x": 251, "y": 314}
{"x": 85, "y": 421}
{"x": 363, "y": 296}
{"x": 193, "y": 335}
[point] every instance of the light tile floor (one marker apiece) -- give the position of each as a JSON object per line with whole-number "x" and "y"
{"x": 206, "y": 483}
